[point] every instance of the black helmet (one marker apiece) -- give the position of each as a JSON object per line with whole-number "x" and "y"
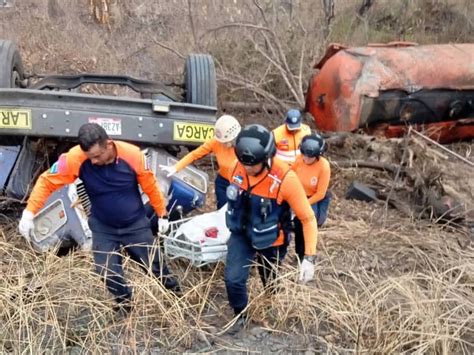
{"x": 313, "y": 145}
{"x": 254, "y": 144}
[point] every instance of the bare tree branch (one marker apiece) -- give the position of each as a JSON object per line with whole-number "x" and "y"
{"x": 269, "y": 42}
{"x": 277, "y": 56}
{"x": 191, "y": 23}
{"x": 172, "y": 50}
{"x": 283, "y": 73}
{"x": 282, "y": 65}
{"x": 260, "y": 10}
{"x": 300, "y": 71}
{"x": 328, "y": 8}
{"x": 265, "y": 74}
{"x": 365, "y": 6}
{"x": 235, "y": 25}
{"x": 247, "y": 84}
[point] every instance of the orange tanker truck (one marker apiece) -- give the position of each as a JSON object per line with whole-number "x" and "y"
{"x": 384, "y": 88}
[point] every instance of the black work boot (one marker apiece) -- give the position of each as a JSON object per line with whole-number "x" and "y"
{"x": 122, "y": 310}
{"x": 171, "y": 284}
{"x": 239, "y": 324}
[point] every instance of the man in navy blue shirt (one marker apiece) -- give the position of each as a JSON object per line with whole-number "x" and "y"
{"x": 112, "y": 172}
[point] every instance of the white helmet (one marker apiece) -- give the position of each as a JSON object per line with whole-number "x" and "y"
{"x": 227, "y": 128}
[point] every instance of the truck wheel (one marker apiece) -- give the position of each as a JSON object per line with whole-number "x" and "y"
{"x": 200, "y": 80}
{"x": 11, "y": 67}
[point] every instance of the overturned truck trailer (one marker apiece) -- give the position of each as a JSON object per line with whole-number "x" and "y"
{"x": 40, "y": 119}
{"x": 384, "y": 88}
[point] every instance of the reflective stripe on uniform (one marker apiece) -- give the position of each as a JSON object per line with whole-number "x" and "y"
{"x": 288, "y": 155}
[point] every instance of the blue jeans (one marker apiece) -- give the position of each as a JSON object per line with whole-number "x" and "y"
{"x": 137, "y": 240}
{"x": 321, "y": 209}
{"x": 240, "y": 256}
{"x": 221, "y": 190}
{"x": 321, "y": 213}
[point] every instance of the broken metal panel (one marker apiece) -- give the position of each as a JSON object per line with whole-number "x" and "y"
{"x": 361, "y": 192}
{"x": 8, "y": 157}
{"x": 186, "y": 190}
{"x": 20, "y": 179}
{"x": 61, "y": 222}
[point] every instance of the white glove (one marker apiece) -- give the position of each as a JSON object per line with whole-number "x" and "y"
{"x": 163, "y": 225}
{"x": 306, "y": 271}
{"x": 170, "y": 169}
{"x": 26, "y": 224}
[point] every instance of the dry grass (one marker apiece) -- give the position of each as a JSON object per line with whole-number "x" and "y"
{"x": 406, "y": 287}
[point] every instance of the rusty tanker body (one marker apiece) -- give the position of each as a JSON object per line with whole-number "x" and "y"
{"x": 384, "y": 88}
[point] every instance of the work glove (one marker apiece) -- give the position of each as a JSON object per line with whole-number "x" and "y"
{"x": 169, "y": 169}
{"x": 26, "y": 224}
{"x": 306, "y": 270}
{"x": 163, "y": 225}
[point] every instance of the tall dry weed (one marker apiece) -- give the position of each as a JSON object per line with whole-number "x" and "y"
{"x": 406, "y": 288}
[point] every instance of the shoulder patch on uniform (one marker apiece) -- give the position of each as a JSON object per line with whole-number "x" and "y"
{"x": 238, "y": 179}
{"x": 60, "y": 166}
{"x": 54, "y": 168}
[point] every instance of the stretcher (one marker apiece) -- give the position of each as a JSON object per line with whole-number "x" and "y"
{"x": 200, "y": 239}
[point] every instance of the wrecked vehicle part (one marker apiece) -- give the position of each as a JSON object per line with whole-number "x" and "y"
{"x": 63, "y": 221}
{"x": 22, "y": 172}
{"x": 361, "y": 192}
{"x": 395, "y": 85}
{"x": 59, "y": 115}
{"x": 186, "y": 190}
{"x": 41, "y": 120}
{"x": 8, "y": 157}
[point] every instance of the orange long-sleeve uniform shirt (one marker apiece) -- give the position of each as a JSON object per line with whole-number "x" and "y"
{"x": 288, "y": 142}
{"x": 225, "y": 156}
{"x": 314, "y": 177}
{"x": 112, "y": 188}
{"x": 283, "y": 184}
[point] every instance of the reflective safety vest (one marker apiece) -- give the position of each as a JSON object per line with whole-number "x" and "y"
{"x": 255, "y": 212}
{"x": 288, "y": 142}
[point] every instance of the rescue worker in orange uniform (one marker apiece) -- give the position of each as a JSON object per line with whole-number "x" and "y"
{"x": 288, "y": 136}
{"x": 111, "y": 172}
{"x": 261, "y": 193}
{"x": 222, "y": 145}
{"x": 314, "y": 172}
